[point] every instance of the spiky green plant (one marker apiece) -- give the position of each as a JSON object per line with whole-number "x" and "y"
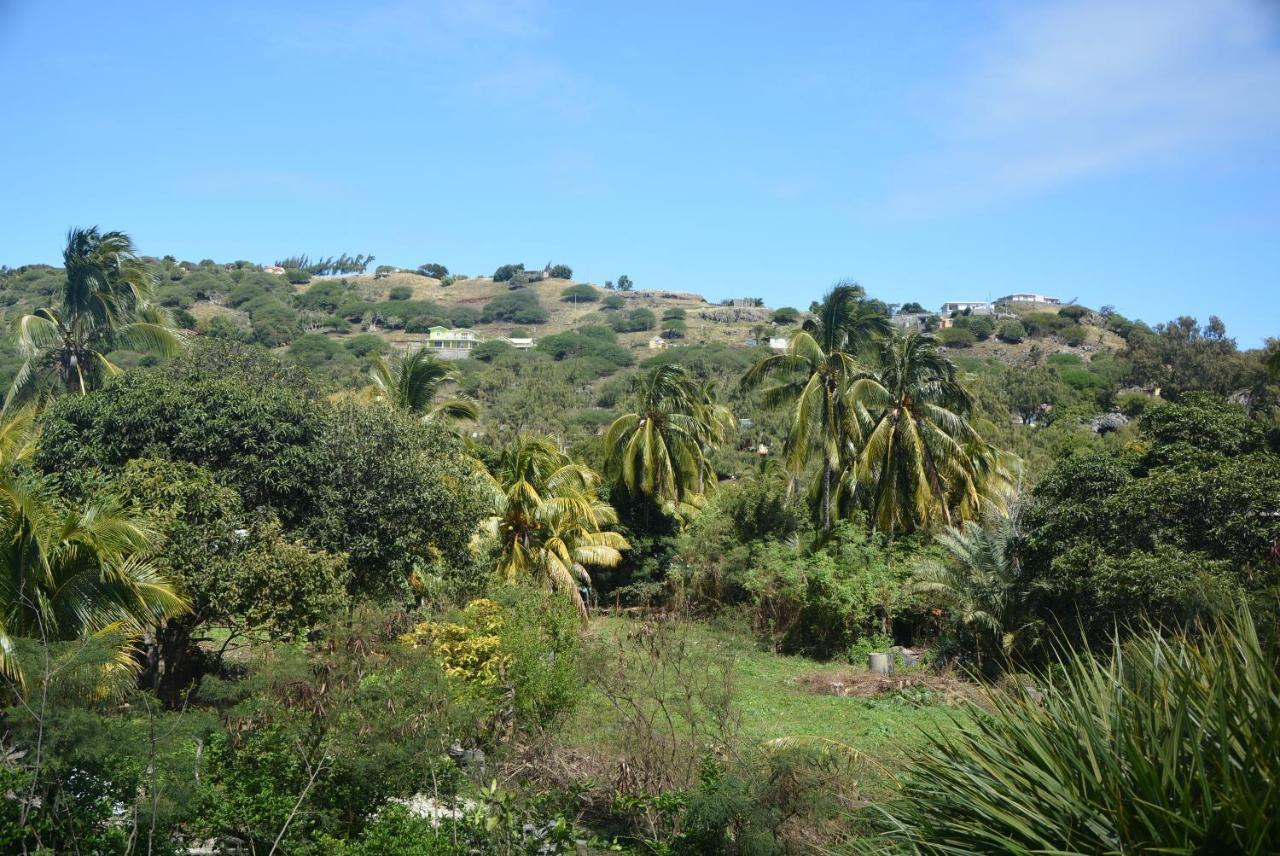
{"x": 1169, "y": 744}
{"x": 414, "y": 383}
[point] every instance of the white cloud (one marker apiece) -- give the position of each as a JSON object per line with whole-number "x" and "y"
{"x": 1063, "y": 91}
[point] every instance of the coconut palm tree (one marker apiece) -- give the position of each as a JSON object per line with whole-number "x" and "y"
{"x": 658, "y": 449}
{"x": 105, "y": 306}
{"x": 413, "y": 383}
{"x": 714, "y": 421}
{"x": 549, "y": 520}
{"x": 813, "y": 376}
{"x": 71, "y": 573}
{"x": 920, "y": 461}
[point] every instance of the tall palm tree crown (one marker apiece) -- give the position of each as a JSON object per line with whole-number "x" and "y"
{"x": 919, "y": 460}
{"x": 413, "y": 383}
{"x": 658, "y": 449}
{"x": 812, "y": 376}
{"x": 548, "y": 519}
{"x": 105, "y": 306}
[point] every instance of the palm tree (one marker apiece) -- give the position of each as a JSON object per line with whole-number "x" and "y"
{"x": 976, "y": 583}
{"x": 816, "y": 370}
{"x": 105, "y": 307}
{"x": 658, "y": 449}
{"x": 72, "y": 573}
{"x": 413, "y": 382}
{"x": 920, "y": 460}
{"x": 548, "y": 518}
{"x": 715, "y": 423}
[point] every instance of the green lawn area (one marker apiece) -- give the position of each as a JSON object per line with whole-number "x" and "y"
{"x": 773, "y": 704}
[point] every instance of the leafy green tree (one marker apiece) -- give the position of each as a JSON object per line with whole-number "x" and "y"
{"x": 786, "y": 315}
{"x": 560, "y": 272}
{"x": 625, "y": 283}
{"x": 657, "y": 450}
{"x": 813, "y": 376}
{"x": 548, "y": 519}
{"x": 434, "y": 270}
{"x": 919, "y": 461}
{"x": 105, "y": 306}
{"x": 506, "y": 273}
{"x": 414, "y": 382}
{"x": 912, "y": 308}
{"x": 400, "y": 292}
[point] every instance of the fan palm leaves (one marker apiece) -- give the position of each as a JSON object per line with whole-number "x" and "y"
{"x": 104, "y": 307}
{"x": 812, "y": 377}
{"x": 976, "y": 582}
{"x": 919, "y": 460}
{"x": 414, "y": 382}
{"x": 658, "y": 449}
{"x": 70, "y": 573}
{"x": 549, "y": 520}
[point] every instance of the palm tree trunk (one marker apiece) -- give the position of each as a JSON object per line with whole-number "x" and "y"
{"x": 826, "y": 495}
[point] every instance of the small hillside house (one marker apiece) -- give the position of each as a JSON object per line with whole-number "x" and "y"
{"x": 975, "y": 307}
{"x": 1030, "y": 297}
{"x": 451, "y": 344}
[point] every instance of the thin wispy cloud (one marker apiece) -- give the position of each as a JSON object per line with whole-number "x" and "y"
{"x": 1066, "y": 91}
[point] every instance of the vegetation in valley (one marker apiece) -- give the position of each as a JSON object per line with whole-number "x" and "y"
{"x": 278, "y": 578}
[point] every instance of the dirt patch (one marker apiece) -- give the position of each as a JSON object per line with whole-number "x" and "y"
{"x": 865, "y": 684}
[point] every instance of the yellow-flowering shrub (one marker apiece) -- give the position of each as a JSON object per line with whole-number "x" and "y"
{"x": 472, "y": 651}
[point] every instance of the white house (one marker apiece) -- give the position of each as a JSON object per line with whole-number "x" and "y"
{"x": 520, "y": 343}
{"x": 976, "y": 307}
{"x": 1029, "y": 297}
{"x": 779, "y": 343}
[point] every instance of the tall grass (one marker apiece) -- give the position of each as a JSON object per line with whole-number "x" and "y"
{"x": 1171, "y": 745}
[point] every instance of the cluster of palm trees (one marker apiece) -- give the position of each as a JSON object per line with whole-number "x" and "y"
{"x": 885, "y": 418}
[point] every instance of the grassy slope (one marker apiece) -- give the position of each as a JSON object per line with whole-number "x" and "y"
{"x": 773, "y": 705}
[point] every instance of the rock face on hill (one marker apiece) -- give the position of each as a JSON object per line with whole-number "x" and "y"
{"x": 1108, "y": 422}
{"x": 735, "y": 314}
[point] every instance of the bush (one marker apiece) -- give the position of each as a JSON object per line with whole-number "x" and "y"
{"x": 560, "y": 272}
{"x": 487, "y": 352}
{"x": 297, "y": 277}
{"x": 581, "y": 293}
{"x": 1075, "y": 313}
{"x": 1182, "y": 727}
{"x": 522, "y": 307}
{"x": 1073, "y": 335}
{"x": 1011, "y": 331}
{"x": 365, "y": 344}
{"x": 957, "y": 337}
{"x": 433, "y": 270}
{"x": 400, "y": 292}
{"x": 614, "y": 302}
{"x": 786, "y": 315}
{"x": 674, "y": 314}
{"x": 634, "y": 321}
{"x": 506, "y": 272}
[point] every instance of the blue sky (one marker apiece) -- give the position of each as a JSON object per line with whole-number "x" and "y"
{"x": 1117, "y": 152}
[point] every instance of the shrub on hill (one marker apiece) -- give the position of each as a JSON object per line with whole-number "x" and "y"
{"x": 786, "y": 315}
{"x": 614, "y": 302}
{"x": 487, "y": 352}
{"x": 1074, "y": 312}
{"x": 434, "y": 270}
{"x": 957, "y": 337}
{"x": 297, "y": 277}
{"x": 1074, "y": 335}
{"x": 560, "y": 272}
{"x": 1011, "y": 331}
{"x": 675, "y": 313}
{"x": 400, "y": 292}
{"x": 581, "y": 293}
{"x": 634, "y": 321}
{"x": 522, "y": 307}
{"x": 1043, "y": 323}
